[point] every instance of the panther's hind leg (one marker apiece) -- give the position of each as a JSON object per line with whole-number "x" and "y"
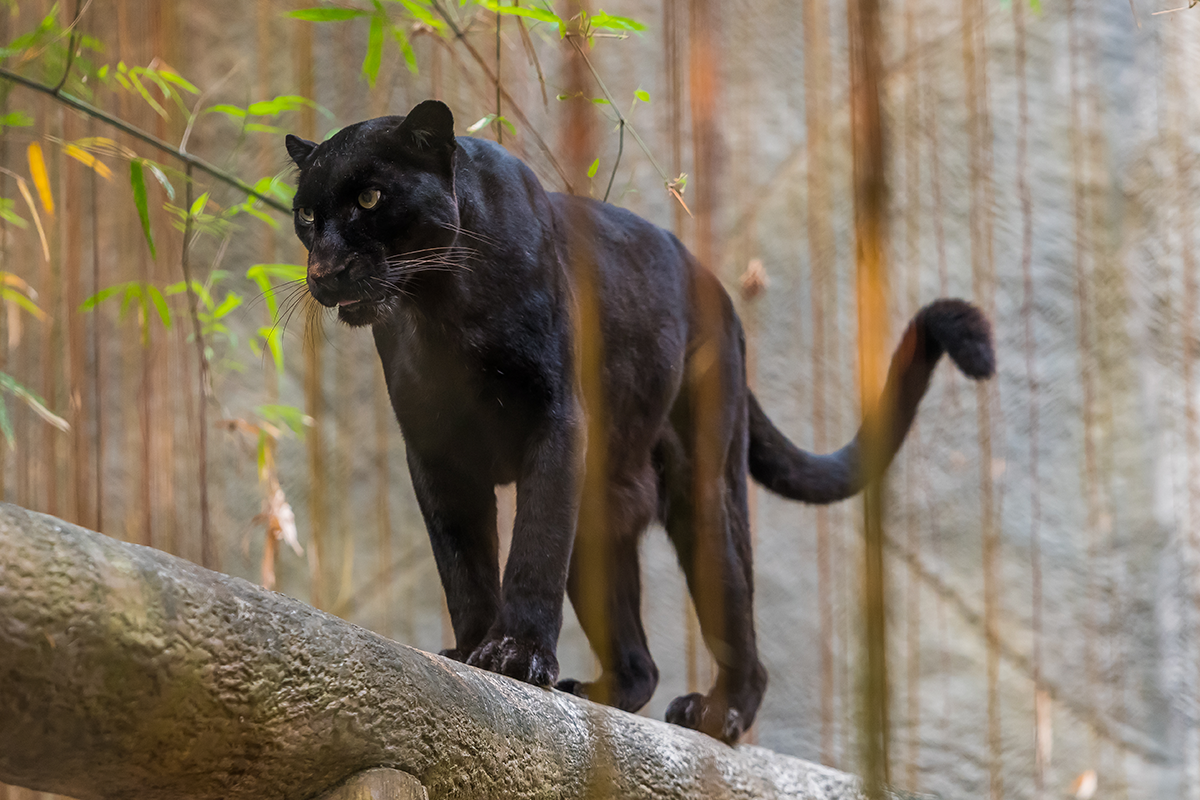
{"x": 605, "y": 588}
{"x": 707, "y": 520}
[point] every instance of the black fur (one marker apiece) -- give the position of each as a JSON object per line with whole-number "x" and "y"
{"x": 464, "y": 270}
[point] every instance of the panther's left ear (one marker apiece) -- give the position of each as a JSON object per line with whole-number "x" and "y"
{"x": 299, "y": 149}
{"x": 429, "y": 126}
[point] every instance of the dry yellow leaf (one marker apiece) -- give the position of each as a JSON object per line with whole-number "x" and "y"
{"x": 37, "y": 218}
{"x": 41, "y": 179}
{"x": 88, "y": 160}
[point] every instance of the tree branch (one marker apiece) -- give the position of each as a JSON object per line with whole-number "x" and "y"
{"x": 87, "y": 108}
{"x": 131, "y": 673}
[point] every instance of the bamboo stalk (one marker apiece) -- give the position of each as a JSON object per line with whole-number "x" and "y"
{"x": 870, "y": 209}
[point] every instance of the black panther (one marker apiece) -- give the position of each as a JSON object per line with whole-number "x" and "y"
{"x": 462, "y": 265}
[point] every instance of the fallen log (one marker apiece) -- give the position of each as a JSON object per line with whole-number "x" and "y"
{"x": 127, "y": 672}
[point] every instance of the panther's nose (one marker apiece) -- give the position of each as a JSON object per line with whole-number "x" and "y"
{"x": 325, "y": 281}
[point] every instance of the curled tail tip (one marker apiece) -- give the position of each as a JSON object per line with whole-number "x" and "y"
{"x": 964, "y": 333}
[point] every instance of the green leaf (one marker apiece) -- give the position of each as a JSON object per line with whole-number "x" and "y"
{"x": 273, "y": 338}
{"x": 326, "y": 14}
{"x": 592, "y": 169}
{"x": 537, "y": 14}
{"x": 282, "y": 415}
{"x": 15, "y": 119}
{"x": 281, "y": 272}
{"x": 6, "y": 427}
{"x": 160, "y": 305}
{"x": 8, "y": 212}
{"x": 277, "y": 105}
{"x": 643, "y": 95}
{"x": 225, "y": 108}
{"x": 178, "y": 80}
{"x": 374, "y": 57}
{"x": 13, "y": 296}
{"x": 198, "y": 205}
{"x": 137, "y": 180}
{"x": 422, "y": 13}
{"x": 230, "y": 302}
{"x": 161, "y": 177}
{"x": 481, "y": 124}
{"x": 100, "y": 296}
{"x": 406, "y": 49}
{"x": 258, "y": 127}
{"x": 600, "y": 101}
{"x": 615, "y": 23}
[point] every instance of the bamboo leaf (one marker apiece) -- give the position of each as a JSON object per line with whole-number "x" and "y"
{"x": 161, "y": 177}
{"x": 37, "y": 404}
{"x": 160, "y": 305}
{"x": 481, "y": 124}
{"x": 198, "y": 205}
{"x": 538, "y": 14}
{"x": 37, "y": 219}
{"x": 616, "y": 23}
{"x": 374, "y": 57}
{"x": 138, "y": 181}
{"x": 423, "y": 14}
{"x": 41, "y": 180}
{"x": 410, "y": 57}
{"x": 100, "y": 296}
{"x": 15, "y": 297}
{"x": 88, "y": 160}
{"x": 591, "y": 173}
{"x": 643, "y": 95}
{"x": 225, "y": 108}
{"x": 326, "y": 14}
{"x": 230, "y": 302}
{"x": 174, "y": 77}
{"x": 6, "y": 427}
{"x": 9, "y": 214}
{"x": 15, "y": 119}
{"x": 283, "y": 272}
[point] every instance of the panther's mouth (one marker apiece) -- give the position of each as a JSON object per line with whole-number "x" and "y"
{"x": 359, "y": 311}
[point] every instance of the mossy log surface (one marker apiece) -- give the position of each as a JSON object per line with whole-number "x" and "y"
{"x": 127, "y": 672}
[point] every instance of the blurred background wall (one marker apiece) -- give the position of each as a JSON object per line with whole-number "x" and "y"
{"x": 1043, "y": 163}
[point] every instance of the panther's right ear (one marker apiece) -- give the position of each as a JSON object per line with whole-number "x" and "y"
{"x": 299, "y": 149}
{"x": 429, "y": 126}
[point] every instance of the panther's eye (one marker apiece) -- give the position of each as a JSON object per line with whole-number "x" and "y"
{"x": 369, "y": 198}
{"x": 305, "y": 215}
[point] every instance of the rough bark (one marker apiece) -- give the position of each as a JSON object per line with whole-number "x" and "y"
{"x": 127, "y": 672}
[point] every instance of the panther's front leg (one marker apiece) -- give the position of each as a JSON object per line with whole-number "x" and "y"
{"x": 522, "y": 642}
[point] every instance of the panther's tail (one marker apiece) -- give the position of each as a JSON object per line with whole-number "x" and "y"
{"x": 944, "y": 326}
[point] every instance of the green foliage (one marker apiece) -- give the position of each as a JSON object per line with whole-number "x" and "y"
{"x": 270, "y": 337}
{"x": 285, "y": 417}
{"x": 137, "y": 180}
{"x": 10, "y": 386}
{"x": 71, "y": 66}
{"x": 9, "y": 214}
{"x": 142, "y": 296}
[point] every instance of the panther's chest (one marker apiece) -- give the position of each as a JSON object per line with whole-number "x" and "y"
{"x": 456, "y": 400}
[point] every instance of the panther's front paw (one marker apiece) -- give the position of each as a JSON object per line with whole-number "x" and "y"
{"x": 517, "y": 658}
{"x": 454, "y": 654}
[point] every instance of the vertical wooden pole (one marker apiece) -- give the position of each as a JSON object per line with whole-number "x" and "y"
{"x": 870, "y": 209}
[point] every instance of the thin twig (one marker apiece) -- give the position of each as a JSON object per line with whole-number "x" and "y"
{"x": 617, "y": 163}
{"x": 667, "y": 180}
{"x": 137, "y": 133}
{"x": 207, "y": 554}
{"x": 516, "y": 111}
{"x": 71, "y": 45}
